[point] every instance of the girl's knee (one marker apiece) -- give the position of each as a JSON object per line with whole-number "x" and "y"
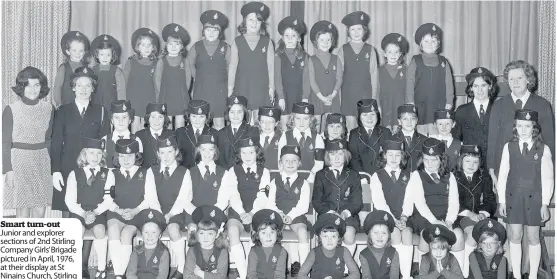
{"x": 99, "y": 231}
{"x": 174, "y": 232}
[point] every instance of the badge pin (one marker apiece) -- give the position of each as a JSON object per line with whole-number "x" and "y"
{"x": 340, "y": 144}
{"x": 236, "y": 100}
{"x": 212, "y": 139}
{"x": 155, "y": 260}
{"x": 536, "y": 156}
{"x": 128, "y": 150}
{"x": 270, "y": 113}
{"x": 476, "y": 148}
{"x": 105, "y": 38}
{"x": 263, "y": 49}
{"x": 404, "y": 178}
{"x": 103, "y": 175}
{"x": 334, "y": 67}
{"x": 124, "y": 108}
{"x": 330, "y": 26}
{"x": 215, "y": 184}
{"x": 480, "y": 71}
{"x": 140, "y": 175}
{"x": 296, "y": 149}
{"x": 276, "y": 143}
{"x": 295, "y": 22}
{"x": 437, "y": 231}
{"x": 181, "y": 65}
{"x": 213, "y": 256}
{"x": 338, "y": 261}
{"x": 489, "y": 224}
{"x": 272, "y": 217}
{"x": 152, "y": 71}
{"x": 84, "y": 70}
{"x": 527, "y": 114}
{"x": 250, "y": 142}
{"x": 262, "y": 8}
{"x": 337, "y": 221}
{"x": 388, "y": 261}
{"x": 386, "y": 218}
{"x": 176, "y": 29}
{"x": 494, "y": 266}
{"x": 433, "y": 28}
{"x": 274, "y": 259}
{"x": 401, "y": 74}
{"x": 347, "y": 193}
{"x": 212, "y": 214}
{"x": 443, "y": 64}
{"x": 296, "y": 191}
{"x": 216, "y": 16}
{"x": 362, "y": 17}
{"x": 367, "y": 55}
{"x": 102, "y": 145}
{"x": 77, "y": 34}
{"x": 222, "y": 49}
{"x": 168, "y": 142}
{"x": 311, "y": 147}
{"x": 199, "y": 111}
{"x": 399, "y": 38}
{"x": 163, "y": 108}
{"x": 456, "y": 152}
{"x": 256, "y": 176}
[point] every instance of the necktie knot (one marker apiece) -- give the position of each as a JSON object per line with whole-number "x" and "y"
{"x": 248, "y": 170}
{"x": 128, "y": 175}
{"x": 287, "y": 184}
{"x": 435, "y": 177}
{"x": 83, "y": 112}
{"x": 197, "y": 133}
{"x": 157, "y": 135}
{"x": 482, "y": 111}
{"x": 120, "y": 137}
{"x": 92, "y": 170}
{"x": 518, "y": 104}
{"x": 337, "y": 173}
{"x": 235, "y": 130}
{"x": 393, "y": 175}
{"x": 469, "y": 178}
{"x": 92, "y": 177}
{"x": 408, "y": 139}
{"x": 369, "y": 132}
{"x": 166, "y": 172}
{"x": 302, "y": 139}
{"x": 267, "y": 138}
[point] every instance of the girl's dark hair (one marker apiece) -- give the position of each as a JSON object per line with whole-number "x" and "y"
{"x": 137, "y": 55}
{"x": 329, "y": 229}
{"x": 461, "y": 157}
{"x": 183, "y": 52}
{"x": 208, "y": 25}
{"x": 198, "y": 155}
{"x": 22, "y": 81}
{"x": 105, "y": 45}
{"x": 529, "y": 71}
{"x": 94, "y": 81}
{"x": 344, "y": 130}
{"x": 366, "y": 32}
{"x": 439, "y": 46}
{"x": 321, "y": 32}
{"x": 493, "y": 90}
{"x": 82, "y": 40}
{"x": 360, "y": 124}
{"x": 167, "y": 121}
{"x": 208, "y": 122}
{"x": 178, "y": 156}
{"x": 537, "y": 140}
{"x": 298, "y": 50}
{"x": 444, "y": 165}
{"x": 207, "y": 225}
{"x": 260, "y": 159}
{"x": 382, "y": 161}
{"x": 242, "y": 29}
{"x": 227, "y": 111}
{"x": 116, "y": 162}
{"x": 255, "y": 233}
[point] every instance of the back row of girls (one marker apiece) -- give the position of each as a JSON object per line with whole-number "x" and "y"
{"x": 251, "y": 67}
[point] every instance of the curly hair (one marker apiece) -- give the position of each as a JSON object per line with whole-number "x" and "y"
{"x": 152, "y": 55}
{"x": 116, "y": 161}
{"x": 366, "y": 32}
{"x": 167, "y": 121}
{"x": 183, "y": 51}
{"x": 528, "y": 69}
{"x": 93, "y": 78}
{"x": 106, "y": 45}
{"x": 537, "y": 140}
{"x": 82, "y": 158}
{"x": 382, "y": 160}
{"x": 221, "y": 241}
{"x": 242, "y": 28}
{"x": 22, "y": 81}
{"x": 227, "y": 111}
{"x": 491, "y": 93}
{"x": 255, "y": 233}
{"x": 260, "y": 159}
{"x": 444, "y": 165}
{"x": 321, "y": 32}
{"x": 80, "y": 39}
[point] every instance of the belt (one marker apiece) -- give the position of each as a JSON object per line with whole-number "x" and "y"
{"x": 29, "y": 146}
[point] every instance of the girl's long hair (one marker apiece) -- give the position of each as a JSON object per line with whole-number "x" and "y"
{"x": 82, "y": 159}
{"x": 183, "y": 52}
{"x": 537, "y": 140}
{"x": 208, "y": 225}
{"x": 255, "y": 233}
{"x": 382, "y": 161}
{"x": 242, "y": 29}
{"x": 260, "y": 159}
{"x": 444, "y": 166}
{"x": 312, "y": 126}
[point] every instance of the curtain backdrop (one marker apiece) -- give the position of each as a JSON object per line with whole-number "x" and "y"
{"x": 31, "y": 33}
{"x": 476, "y": 33}
{"x": 120, "y": 19}
{"x": 546, "y": 68}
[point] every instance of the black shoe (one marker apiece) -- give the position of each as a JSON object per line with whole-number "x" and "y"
{"x": 415, "y": 270}
{"x": 294, "y": 269}
{"x": 525, "y": 276}
{"x": 85, "y": 271}
{"x": 233, "y": 274}
{"x": 109, "y": 268}
{"x": 177, "y": 275}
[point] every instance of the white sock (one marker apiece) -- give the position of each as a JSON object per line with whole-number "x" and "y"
{"x": 303, "y": 252}
{"x": 237, "y": 252}
{"x": 351, "y": 248}
{"x": 420, "y": 254}
{"x": 405, "y": 258}
{"x": 178, "y": 248}
{"x": 459, "y": 258}
{"x": 115, "y": 249}
{"x": 100, "y": 246}
{"x": 535, "y": 255}
{"x": 125, "y": 257}
{"x": 515, "y": 250}
{"x": 467, "y": 251}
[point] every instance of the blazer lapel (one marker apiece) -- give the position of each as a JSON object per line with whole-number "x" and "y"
{"x": 364, "y": 137}
{"x": 343, "y": 175}
{"x": 330, "y": 175}
{"x": 191, "y": 135}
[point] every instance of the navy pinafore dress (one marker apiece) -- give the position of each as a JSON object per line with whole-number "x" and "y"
{"x": 211, "y": 78}
{"x": 174, "y": 90}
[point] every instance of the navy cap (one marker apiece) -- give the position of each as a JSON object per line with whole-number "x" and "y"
{"x": 266, "y": 216}
{"x": 92, "y": 143}
{"x": 84, "y": 72}
{"x": 323, "y": 26}
{"x": 395, "y": 39}
{"x": 210, "y": 213}
{"x": 443, "y": 114}
{"x": 158, "y": 107}
{"x": 151, "y": 216}
{"x": 290, "y": 149}
{"x": 255, "y": 7}
{"x": 378, "y": 217}
{"x": 480, "y": 72}
{"x": 292, "y": 22}
{"x": 330, "y": 220}
{"x": 145, "y": 32}
{"x": 333, "y": 118}
{"x": 214, "y": 17}
{"x": 526, "y": 114}
{"x": 70, "y": 36}
{"x": 336, "y": 144}
{"x": 489, "y": 225}
{"x": 407, "y": 108}
{"x": 471, "y": 149}
{"x": 355, "y": 18}
{"x": 166, "y": 141}
{"x": 303, "y": 108}
{"x": 433, "y": 147}
{"x": 428, "y": 28}
{"x": 270, "y": 112}
{"x": 392, "y": 144}
{"x": 434, "y": 231}
{"x": 105, "y": 38}
{"x": 198, "y": 107}
{"x": 202, "y": 139}
{"x": 176, "y": 30}
{"x": 367, "y": 105}
{"x": 237, "y": 100}
{"x": 121, "y": 106}
{"x": 248, "y": 142}
{"x": 126, "y": 146}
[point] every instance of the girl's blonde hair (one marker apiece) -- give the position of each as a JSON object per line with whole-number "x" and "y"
{"x": 82, "y": 158}
{"x": 369, "y": 242}
{"x": 312, "y": 126}
{"x": 442, "y": 242}
{"x": 208, "y": 225}
{"x": 488, "y": 234}
{"x": 152, "y": 55}
{"x": 347, "y": 157}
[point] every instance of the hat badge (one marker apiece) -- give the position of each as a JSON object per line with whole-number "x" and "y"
{"x": 399, "y": 38}
{"x": 338, "y": 261}
{"x": 216, "y": 16}
{"x": 362, "y": 17}
{"x": 128, "y": 150}
{"x": 262, "y": 8}
{"x": 340, "y": 145}
{"x": 433, "y": 28}
{"x": 385, "y": 217}
{"x": 413, "y": 109}
{"x": 84, "y": 70}
{"x": 270, "y": 113}
{"x": 528, "y": 116}
{"x": 272, "y": 217}
{"x": 215, "y": 184}
{"x": 494, "y": 266}
{"x": 330, "y": 26}
{"x": 476, "y": 148}
{"x": 176, "y": 29}
{"x": 250, "y": 142}
{"x": 337, "y": 221}
{"x": 167, "y": 142}
{"x": 489, "y": 224}
{"x": 401, "y": 74}
{"x": 274, "y": 259}
{"x": 388, "y": 261}
{"x": 77, "y": 34}
{"x": 295, "y": 22}
{"x": 437, "y": 231}
{"x": 150, "y": 215}
{"x": 296, "y": 149}
{"x": 236, "y": 100}
{"x": 105, "y": 38}
{"x": 212, "y": 213}
{"x": 306, "y": 110}
{"x": 480, "y": 70}
{"x": 448, "y": 114}
{"x": 150, "y": 32}
{"x": 200, "y": 111}
{"x": 430, "y": 150}
{"x": 212, "y": 138}
{"x": 124, "y": 108}
{"x": 140, "y": 175}
{"x": 163, "y": 108}
{"x": 155, "y": 260}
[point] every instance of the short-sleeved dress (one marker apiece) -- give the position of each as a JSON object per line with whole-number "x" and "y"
{"x": 25, "y": 151}
{"x": 140, "y": 86}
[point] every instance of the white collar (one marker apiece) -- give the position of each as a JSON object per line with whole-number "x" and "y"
{"x": 201, "y": 165}
{"x": 298, "y": 134}
{"x": 270, "y": 135}
{"x": 153, "y": 132}
{"x": 529, "y": 142}
{"x": 411, "y": 135}
{"x": 235, "y": 126}
{"x": 339, "y": 170}
{"x": 292, "y": 177}
{"x": 524, "y": 98}
{"x": 477, "y": 103}
{"x": 81, "y": 107}
{"x": 171, "y": 167}
{"x": 253, "y": 168}
{"x": 132, "y": 170}
{"x": 389, "y": 170}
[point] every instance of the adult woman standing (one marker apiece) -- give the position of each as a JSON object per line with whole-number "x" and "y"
{"x": 26, "y": 130}
{"x": 81, "y": 118}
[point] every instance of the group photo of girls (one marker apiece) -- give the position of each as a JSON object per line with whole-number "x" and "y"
{"x": 187, "y": 156}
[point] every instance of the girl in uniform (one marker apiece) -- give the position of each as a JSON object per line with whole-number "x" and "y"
{"x": 325, "y": 69}
{"x": 389, "y": 188}
{"x": 379, "y": 259}
{"x": 139, "y": 71}
{"x": 173, "y": 192}
{"x": 207, "y": 257}
{"x": 112, "y": 84}
{"x": 251, "y": 72}
{"x": 291, "y": 70}
{"x": 304, "y": 135}
{"x": 87, "y": 198}
{"x": 365, "y": 141}
{"x": 269, "y": 135}
{"x": 477, "y": 200}
{"x": 439, "y": 262}
{"x": 444, "y": 122}
{"x": 328, "y": 260}
{"x": 156, "y": 123}
{"x": 267, "y": 258}
{"x": 360, "y": 80}
{"x": 429, "y": 82}
{"x": 74, "y": 47}
{"x": 172, "y": 73}
{"x": 488, "y": 260}
{"x": 238, "y": 127}
{"x": 525, "y": 188}
{"x": 250, "y": 178}
{"x": 289, "y": 195}
{"x": 338, "y": 190}
{"x": 80, "y": 118}
{"x": 392, "y": 77}
{"x": 198, "y": 118}
{"x": 335, "y": 127}
{"x": 26, "y": 134}
{"x": 413, "y": 141}
{"x": 132, "y": 194}
{"x": 209, "y": 59}
{"x": 434, "y": 190}
{"x": 121, "y": 117}
{"x": 151, "y": 258}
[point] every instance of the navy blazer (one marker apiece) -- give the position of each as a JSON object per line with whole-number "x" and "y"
{"x": 187, "y": 143}
{"x": 470, "y": 129}
{"x": 365, "y": 148}
{"x": 338, "y": 194}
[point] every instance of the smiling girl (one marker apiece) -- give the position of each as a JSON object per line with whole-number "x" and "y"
{"x": 112, "y": 84}
{"x": 75, "y": 46}
{"x": 267, "y": 258}
{"x": 379, "y": 259}
{"x": 156, "y": 123}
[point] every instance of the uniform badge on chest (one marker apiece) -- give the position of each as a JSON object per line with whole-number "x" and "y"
{"x": 296, "y": 191}
{"x": 401, "y": 74}
{"x": 222, "y": 50}
{"x": 388, "y": 261}
{"x": 536, "y": 157}
{"x": 212, "y": 259}
{"x": 215, "y": 184}
{"x": 181, "y": 65}
{"x": 347, "y": 193}
{"x": 256, "y": 176}
{"x": 140, "y": 175}
{"x": 456, "y": 152}
{"x": 404, "y": 178}
{"x": 367, "y": 56}
{"x": 152, "y": 71}
{"x": 302, "y": 64}
{"x": 263, "y": 49}
{"x": 338, "y": 261}
{"x": 274, "y": 259}
{"x": 155, "y": 260}
{"x": 334, "y": 67}
{"x": 310, "y": 146}
{"x": 443, "y": 64}
{"x": 494, "y": 266}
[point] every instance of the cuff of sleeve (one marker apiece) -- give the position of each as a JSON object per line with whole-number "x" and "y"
{"x": 465, "y": 213}
{"x": 485, "y": 213}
